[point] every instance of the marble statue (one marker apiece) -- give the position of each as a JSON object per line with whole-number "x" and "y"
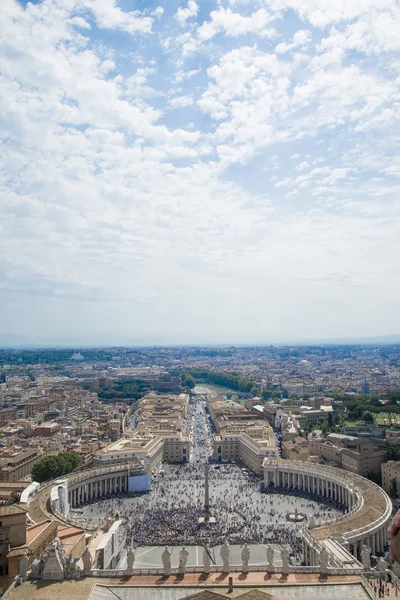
{"x": 71, "y": 570}
{"x": 224, "y": 553}
{"x": 285, "y": 557}
{"x": 324, "y": 560}
{"x": 23, "y": 566}
{"x": 245, "y": 559}
{"x": 87, "y": 560}
{"x": 270, "y": 559}
{"x": 206, "y": 561}
{"x": 130, "y": 558}
{"x": 183, "y": 556}
{"x": 36, "y": 568}
{"x": 366, "y": 557}
{"x": 382, "y": 565}
{"x": 63, "y": 500}
{"x": 54, "y": 566}
{"x": 166, "y": 561}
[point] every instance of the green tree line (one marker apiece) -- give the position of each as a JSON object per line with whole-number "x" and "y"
{"x": 54, "y": 466}
{"x": 123, "y": 389}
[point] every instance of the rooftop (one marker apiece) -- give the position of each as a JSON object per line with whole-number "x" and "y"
{"x": 12, "y": 509}
{"x": 216, "y": 586}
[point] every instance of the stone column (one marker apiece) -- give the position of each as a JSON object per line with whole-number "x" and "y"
{"x": 383, "y": 538}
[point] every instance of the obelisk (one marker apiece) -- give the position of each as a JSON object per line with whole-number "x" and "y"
{"x": 206, "y": 498}
{"x": 207, "y": 514}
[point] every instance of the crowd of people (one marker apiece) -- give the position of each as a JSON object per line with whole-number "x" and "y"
{"x": 330, "y": 505}
{"x": 384, "y": 588}
{"x": 170, "y": 513}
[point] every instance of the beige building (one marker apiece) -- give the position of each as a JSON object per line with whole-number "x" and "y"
{"x": 242, "y": 434}
{"x": 37, "y": 539}
{"x": 392, "y": 436}
{"x": 350, "y": 453}
{"x": 12, "y": 532}
{"x": 240, "y": 447}
{"x": 158, "y": 434}
{"x": 296, "y": 449}
{"x": 18, "y": 465}
{"x": 390, "y": 470}
{"x": 8, "y": 414}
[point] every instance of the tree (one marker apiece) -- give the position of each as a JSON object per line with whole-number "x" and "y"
{"x": 188, "y": 380}
{"x": 337, "y": 419}
{"x": 393, "y": 488}
{"x": 54, "y": 466}
{"x": 367, "y": 417}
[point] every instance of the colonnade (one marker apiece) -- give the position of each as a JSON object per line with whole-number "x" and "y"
{"x": 86, "y": 490}
{"x": 342, "y": 487}
{"x": 313, "y": 483}
{"x": 376, "y": 542}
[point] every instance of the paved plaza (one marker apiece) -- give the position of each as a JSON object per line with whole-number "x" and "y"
{"x": 147, "y": 558}
{"x": 168, "y": 515}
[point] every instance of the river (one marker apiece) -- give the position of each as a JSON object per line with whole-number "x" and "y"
{"x": 208, "y": 388}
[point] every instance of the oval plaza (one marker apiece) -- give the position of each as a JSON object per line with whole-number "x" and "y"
{"x": 122, "y": 472}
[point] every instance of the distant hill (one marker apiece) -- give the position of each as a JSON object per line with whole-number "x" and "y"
{"x": 379, "y": 339}
{"x": 19, "y": 341}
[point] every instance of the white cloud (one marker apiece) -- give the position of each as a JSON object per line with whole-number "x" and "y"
{"x": 393, "y": 170}
{"x": 109, "y": 16}
{"x": 190, "y": 12}
{"x": 234, "y": 24}
{"x": 323, "y": 12}
{"x": 111, "y": 200}
{"x": 301, "y": 39}
{"x": 373, "y": 33}
{"x": 181, "y": 101}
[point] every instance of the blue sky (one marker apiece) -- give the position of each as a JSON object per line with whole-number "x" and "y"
{"x": 205, "y": 172}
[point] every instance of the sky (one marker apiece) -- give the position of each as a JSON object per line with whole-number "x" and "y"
{"x": 210, "y": 171}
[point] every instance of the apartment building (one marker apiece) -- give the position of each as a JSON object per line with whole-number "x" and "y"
{"x": 17, "y": 465}
{"x": 296, "y": 449}
{"x": 392, "y": 436}
{"x": 157, "y": 436}
{"x": 12, "y": 532}
{"x": 350, "y": 453}
{"x": 8, "y": 414}
{"x": 391, "y": 471}
{"x": 242, "y": 434}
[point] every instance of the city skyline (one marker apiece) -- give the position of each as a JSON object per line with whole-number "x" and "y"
{"x": 182, "y": 172}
